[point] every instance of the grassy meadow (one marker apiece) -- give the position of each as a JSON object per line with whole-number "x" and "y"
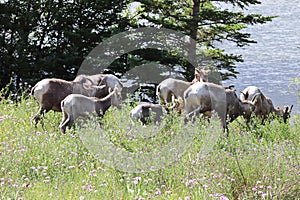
{"x": 256, "y": 162}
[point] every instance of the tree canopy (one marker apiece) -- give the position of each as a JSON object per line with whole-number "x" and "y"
{"x": 50, "y": 38}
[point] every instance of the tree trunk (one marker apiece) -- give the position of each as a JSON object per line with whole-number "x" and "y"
{"x": 193, "y": 39}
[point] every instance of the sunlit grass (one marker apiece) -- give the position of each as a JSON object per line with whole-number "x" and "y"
{"x": 256, "y": 162}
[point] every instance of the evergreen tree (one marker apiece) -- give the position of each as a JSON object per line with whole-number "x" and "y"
{"x": 207, "y": 22}
{"x": 50, "y": 38}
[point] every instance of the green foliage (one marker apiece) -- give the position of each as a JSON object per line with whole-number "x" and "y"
{"x": 205, "y": 22}
{"x": 259, "y": 162}
{"x": 51, "y": 38}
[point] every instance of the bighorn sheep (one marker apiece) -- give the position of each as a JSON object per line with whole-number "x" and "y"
{"x": 148, "y": 113}
{"x": 264, "y": 105}
{"x": 76, "y": 105}
{"x": 249, "y": 92}
{"x": 50, "y": 92}
{"x": 174, "y": 87}
{"x": 110, "y": 80}
{"x": 204, "y": 98}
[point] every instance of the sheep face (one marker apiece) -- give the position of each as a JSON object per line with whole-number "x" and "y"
{"x": 285, "y": 113}
{"x": 200, "y": 76}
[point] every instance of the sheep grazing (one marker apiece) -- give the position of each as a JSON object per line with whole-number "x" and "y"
{"x": 109, "y": 80}
{"x": 174, "y": 87}
{"x": 76, "y": 105}
{"x": 50, "y": 92}
{"x": 148, "y": 113}
{"x": 249, "y": 92}
{"x": 264, "y": 105}
{"x": 236, "y": 107}
{"x": 204, "y": 98}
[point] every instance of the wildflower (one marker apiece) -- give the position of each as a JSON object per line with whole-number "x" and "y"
{"x": 188, "y": 198}
{"x": 269, "y": 187}
{"x": 38, "y": 133}
{"x": 71, "y": 167}
{"x": 258, "y": 182}
{"x": 168, "y": 192}
{"x": 223, "y": 198}
{"x": 205, "y": 186}
{"x": 46, "y": 181}
{"x": 254, "y": 189}
{"x": 260, "y": 192}
{"x": 158, "y": 192}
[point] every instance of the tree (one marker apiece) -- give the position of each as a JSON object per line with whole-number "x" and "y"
{"x": 207, "y": 22}
{"x": 50, "y": 38}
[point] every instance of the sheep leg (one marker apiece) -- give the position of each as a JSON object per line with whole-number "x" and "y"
{"x": 39, "y": 115}
{"x": 67, "y": 122}
{"x": 192, "y": 114}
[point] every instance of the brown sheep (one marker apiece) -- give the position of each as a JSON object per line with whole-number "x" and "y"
{"x": 50, "y": 92}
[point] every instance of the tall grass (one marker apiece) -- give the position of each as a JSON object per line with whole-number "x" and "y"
{"x": 256, "y": 162}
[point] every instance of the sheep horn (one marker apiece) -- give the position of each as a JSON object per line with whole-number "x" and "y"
{"x": 291, "y": 108}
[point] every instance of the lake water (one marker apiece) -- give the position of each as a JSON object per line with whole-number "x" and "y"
{"x": 274, "y": 60}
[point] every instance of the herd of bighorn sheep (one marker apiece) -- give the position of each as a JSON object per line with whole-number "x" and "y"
{"x": 96, "y": 93}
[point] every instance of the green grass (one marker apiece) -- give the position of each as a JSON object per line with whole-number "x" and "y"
{"x": 256, "y": 162}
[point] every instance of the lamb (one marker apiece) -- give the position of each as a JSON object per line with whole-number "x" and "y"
{"x": 174, "y": 87}
{"x": 109, "y": 80}
{"x": 264, "y": 105}
{"x": 50, "y": 92}
{"x": 204, "y": 98}
{"x": 76, "y": 105}
{"x": 148, "y": 113}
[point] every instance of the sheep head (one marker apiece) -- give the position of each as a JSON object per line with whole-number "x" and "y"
{"x": 285, "y": 112}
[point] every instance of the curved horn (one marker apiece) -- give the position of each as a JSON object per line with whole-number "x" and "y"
{"x": 255, "y": 96}
{"x": 291, "y": 108}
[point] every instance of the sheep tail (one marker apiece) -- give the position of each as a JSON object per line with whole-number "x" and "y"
{"x": 32, "y": 90}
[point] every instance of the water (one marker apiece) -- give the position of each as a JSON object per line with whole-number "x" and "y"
{"x": 274, "y": 60}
